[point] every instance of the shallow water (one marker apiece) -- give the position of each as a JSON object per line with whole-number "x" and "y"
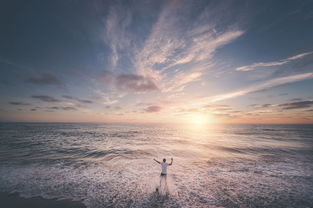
{"x": 111, "y": 165}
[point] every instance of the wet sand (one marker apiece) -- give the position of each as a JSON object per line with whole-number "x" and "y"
{"x": 15, "y": 201}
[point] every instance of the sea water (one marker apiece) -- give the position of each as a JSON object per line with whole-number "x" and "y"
{"x": 111, "y": 165}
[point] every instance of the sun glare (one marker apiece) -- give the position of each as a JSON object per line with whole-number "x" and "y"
{"x": 198, "y": 120}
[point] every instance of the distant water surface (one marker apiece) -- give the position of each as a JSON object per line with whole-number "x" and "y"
{"x": 111, "y": 165}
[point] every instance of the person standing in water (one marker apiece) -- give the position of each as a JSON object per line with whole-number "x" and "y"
{"x": 163, "y": 175}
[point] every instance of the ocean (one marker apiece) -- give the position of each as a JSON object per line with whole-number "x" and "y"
{"x": 111, "y": 165}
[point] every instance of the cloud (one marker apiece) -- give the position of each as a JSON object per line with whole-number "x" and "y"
{"x": 106, "y": 77}
{"x": 188, "y": 110}
{"x": 267, "y": 105}
{"x": 117, "y": 107}
{"x": 129, "y": 82}
{"x": 109, "y": 98}
{"x": 85, "y": 101}
{"x": 297, "y": 105}
{"x": 45, "y": 98}
{"x": 109, "y": 101}
{"x": 116, "y": 34}
{"x": 66, "y": 108}
{"x": 153, "y": 109}
{"x": 175, "y": 53}
{"x": 18, "y": 103}
{"x": 174, "y": 49}
{"x": 45, "y": 78}
{"x": 68, "y": 97}
{"x": 69, "y": 108}
{"x": 135, "y": 83}
{"x": 217, "y": 107}
{"x": 78, "y": 99}
{"x": 264, "y": 85}
{"x": 182, "y": 80}
{"x": 144, "y": 103}
{"x": 224, "y": 115}
{"x": 274, "y": 63}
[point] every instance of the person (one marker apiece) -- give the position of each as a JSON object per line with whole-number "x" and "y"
{"x": 164, "y": 166}
{"x": 163, "y": 174}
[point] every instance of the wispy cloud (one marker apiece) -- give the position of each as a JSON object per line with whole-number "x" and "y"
{"x": 169, "y": 54}
{"x": 297, "y": 105}
{"x": 181, "y": 80}
{"x": 66, "y": 108}
{"x": 35, "y": 76}
{"x": 78, "y": 99}
{"x": 45, "y": 98}
{"x": 264, "y": 85}
{"x": 267, "y": 105}
{"x": 135, "y": 83}
{"x": 108, "y": 98}
{"x": 174, "y": 55}
{"x": 274, "y": 63}
{"x": 18, "y": 103}
{"x": 109, "y": 101}
{"x": 45, "y": 78}
{"x": 153, "y": 109}
{"x": 117, "y": 36}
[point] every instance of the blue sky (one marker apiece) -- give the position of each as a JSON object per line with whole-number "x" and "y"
{"x": 157, "y": 61}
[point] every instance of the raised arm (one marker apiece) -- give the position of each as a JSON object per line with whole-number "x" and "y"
{"x": 156, "y": 161}
{"x": 171, "y": 161}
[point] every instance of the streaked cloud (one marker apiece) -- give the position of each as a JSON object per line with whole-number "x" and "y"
{"x": 78, "y": 99}
{"x": 45, "y": 78}
{"x": 297, "y": 105}
{"x": 218, "y": 107}
{"x": 262, "y": 86}
{"x": 66, "y": 108}
{"x": 267, "y": 105}
{"x": 174, "y": 57}
{"x": 18, "y": 103}
{"x": 274, "y": 63}
{"x": 109, "y": 101}
{"x": 135, "y": 83}
{"x": 181, "y": 80}
{"x": 116, "y": 34}
{"x": 153, "y": 109}
{"x": 45, "y": 98}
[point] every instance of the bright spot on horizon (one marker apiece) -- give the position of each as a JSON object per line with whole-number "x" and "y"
{"x": 199, "y": 120}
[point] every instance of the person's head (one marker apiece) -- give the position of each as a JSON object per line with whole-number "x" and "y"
{"x": 164, "y": 160}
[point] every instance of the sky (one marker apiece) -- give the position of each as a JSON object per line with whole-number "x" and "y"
{"x": 155, "y": 61}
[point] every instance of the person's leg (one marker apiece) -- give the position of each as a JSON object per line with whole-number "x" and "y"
{"x": 157, "y": 189}
{"x": 160, "y": 186}
{"x": 165, "y": 184}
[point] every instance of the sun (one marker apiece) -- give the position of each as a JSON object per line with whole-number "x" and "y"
{"x": 198, "y": 120}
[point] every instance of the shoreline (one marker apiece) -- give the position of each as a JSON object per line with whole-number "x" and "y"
{"x": 15, "y": 201}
